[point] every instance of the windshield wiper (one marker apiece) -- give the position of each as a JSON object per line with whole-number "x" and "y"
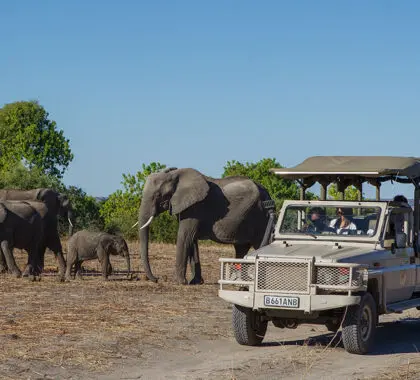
{"x": 312, "y": 235}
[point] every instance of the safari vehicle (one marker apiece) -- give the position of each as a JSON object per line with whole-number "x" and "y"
{"x": 339, "y": 277}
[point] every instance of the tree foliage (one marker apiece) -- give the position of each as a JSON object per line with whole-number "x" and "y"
{"x": 86, "y": 208}
{"x": 278, "y": 188}
{"x": 17, "y": 176}
{"x": 350, "y": 194}
{"x": 27, "y": 135}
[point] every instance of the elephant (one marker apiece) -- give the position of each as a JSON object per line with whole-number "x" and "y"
{"x": 89, "y": 245}
{"x": 21, "y": 226}
{"x": 225, "y": 210}
{"x": 57, "y": 204}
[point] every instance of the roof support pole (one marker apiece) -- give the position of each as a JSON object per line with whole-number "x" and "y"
{"x": 416, "y": 223}
{"x": 359, "y": 187}
{"x": 341, "y": 188}
{"x": 302, "y": 192}
{"x": 324, "y": 186}
{"x": 378, "y": 191}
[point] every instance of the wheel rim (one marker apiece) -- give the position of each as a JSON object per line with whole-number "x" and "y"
{"x": 365, "y": 323}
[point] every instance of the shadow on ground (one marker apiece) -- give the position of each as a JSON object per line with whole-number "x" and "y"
{"x": 396, "y": 337}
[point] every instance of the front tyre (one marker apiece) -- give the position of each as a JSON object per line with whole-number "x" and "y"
{"x": 359, "y": 326}
{"x": 248, "y": 326}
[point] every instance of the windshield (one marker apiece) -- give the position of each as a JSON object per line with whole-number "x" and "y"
{"x": 330, "y": 220}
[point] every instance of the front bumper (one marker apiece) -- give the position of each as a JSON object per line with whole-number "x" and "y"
{"x": 306, "y": 302}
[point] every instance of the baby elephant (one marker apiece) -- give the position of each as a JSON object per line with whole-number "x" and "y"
{"x": 88, "y": 245}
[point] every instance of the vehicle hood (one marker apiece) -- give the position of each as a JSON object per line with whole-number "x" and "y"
{"x": 325, "y": 252}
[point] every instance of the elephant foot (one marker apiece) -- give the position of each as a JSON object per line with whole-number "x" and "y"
{"x": 16, "y": 273}
{"x": 196, "y": 281}
{"x": 28, "y": 271}
{"x": 181, "y": 281}
{"x": 67, "y": 279}
{"x": 60, "y": 278}
{"x": 3, "y": 269}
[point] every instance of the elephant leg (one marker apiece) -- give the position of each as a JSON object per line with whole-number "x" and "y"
{"x": 185, "y": 249}
{"x": 10, "y": 260}
{"x": 241, "y": 250}
{"x": 104, "y": 260}
{"x": 78, "y": 269}
{"x": 54, "y": 244}
{"x": 35, "y": 264}
{"x": 109, "y": 270}
{"x": 3, "y": 264}
{"x": 195, "y": 266}
{"x": 71, "y": 260}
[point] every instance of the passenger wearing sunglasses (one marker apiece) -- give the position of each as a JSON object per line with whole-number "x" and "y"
{"x": 343, "y": 223}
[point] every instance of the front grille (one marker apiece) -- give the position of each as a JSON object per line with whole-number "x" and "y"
{"x": 332, "y": 276}
{"x": 283, "y": 276}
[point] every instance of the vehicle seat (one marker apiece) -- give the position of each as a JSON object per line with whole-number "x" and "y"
{"x": 371, "y": 222}
{"x": 401, "y": 240}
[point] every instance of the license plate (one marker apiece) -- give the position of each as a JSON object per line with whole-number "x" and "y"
{"x": 290, "y": 302}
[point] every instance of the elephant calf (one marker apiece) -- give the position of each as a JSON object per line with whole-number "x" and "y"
{"x": 88, "y": 245}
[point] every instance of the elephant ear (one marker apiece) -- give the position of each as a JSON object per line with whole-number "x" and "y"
{"x": 3, "y": 213}
{"x": 192, "y": 188}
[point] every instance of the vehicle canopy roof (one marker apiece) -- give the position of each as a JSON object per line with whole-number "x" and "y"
{"x": 358, "y": 168}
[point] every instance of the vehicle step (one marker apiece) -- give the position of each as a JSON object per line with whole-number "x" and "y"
{"x": 397, "y": 307}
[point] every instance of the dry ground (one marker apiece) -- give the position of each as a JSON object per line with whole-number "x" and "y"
{"x": 138, "y": 329}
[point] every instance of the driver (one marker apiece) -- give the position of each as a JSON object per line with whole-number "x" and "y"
{"x": 317, "y": 217}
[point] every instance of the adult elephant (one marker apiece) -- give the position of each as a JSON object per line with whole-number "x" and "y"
{"x": 21, "y": 226}
{"x": 226, "y": 210}
{"x": 58, "y": 205}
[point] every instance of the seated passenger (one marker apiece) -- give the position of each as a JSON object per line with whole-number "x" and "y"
{"x": 398, "y": 219}
{"x": 343, "y": 223}
{"x": 317, "y": 218}
{"x": 402, "y": 199}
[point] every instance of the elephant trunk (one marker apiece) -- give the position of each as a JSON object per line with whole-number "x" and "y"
{"x": 144, "y": 218}
{"x": 70, "y": 220}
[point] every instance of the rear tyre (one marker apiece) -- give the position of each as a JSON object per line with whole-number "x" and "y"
{"x": 248, "y": 326}
{"x": 359, "y": 326}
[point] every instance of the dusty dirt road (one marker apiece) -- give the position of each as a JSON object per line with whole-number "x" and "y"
{"x": 287, "y": 354}
{"x": 124, "y": 329}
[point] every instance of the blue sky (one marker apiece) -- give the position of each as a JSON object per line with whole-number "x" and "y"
{"x": 196, "y": 84}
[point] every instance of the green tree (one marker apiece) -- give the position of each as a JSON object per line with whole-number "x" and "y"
{"x": 17, "y": 176}
{"x": 86, "y": 208}
{"x": 27, "y": 135}
{"x": 278, "y": 188}
{"x": 350, "y": 194}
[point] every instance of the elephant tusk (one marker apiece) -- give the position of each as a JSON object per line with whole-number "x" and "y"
{"x": 135, "y": 224}
{"x": 147, "y": 223}
{"x": 71, "y": 224}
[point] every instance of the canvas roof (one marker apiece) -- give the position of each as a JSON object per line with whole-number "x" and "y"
{"x": 363, "y": 166}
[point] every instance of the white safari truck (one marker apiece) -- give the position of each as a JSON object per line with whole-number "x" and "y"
{"x": 332, "y": 262}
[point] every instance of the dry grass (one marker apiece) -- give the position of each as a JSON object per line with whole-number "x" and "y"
{"x": 409, "y": 371}
{"x": 86, "y": 324}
